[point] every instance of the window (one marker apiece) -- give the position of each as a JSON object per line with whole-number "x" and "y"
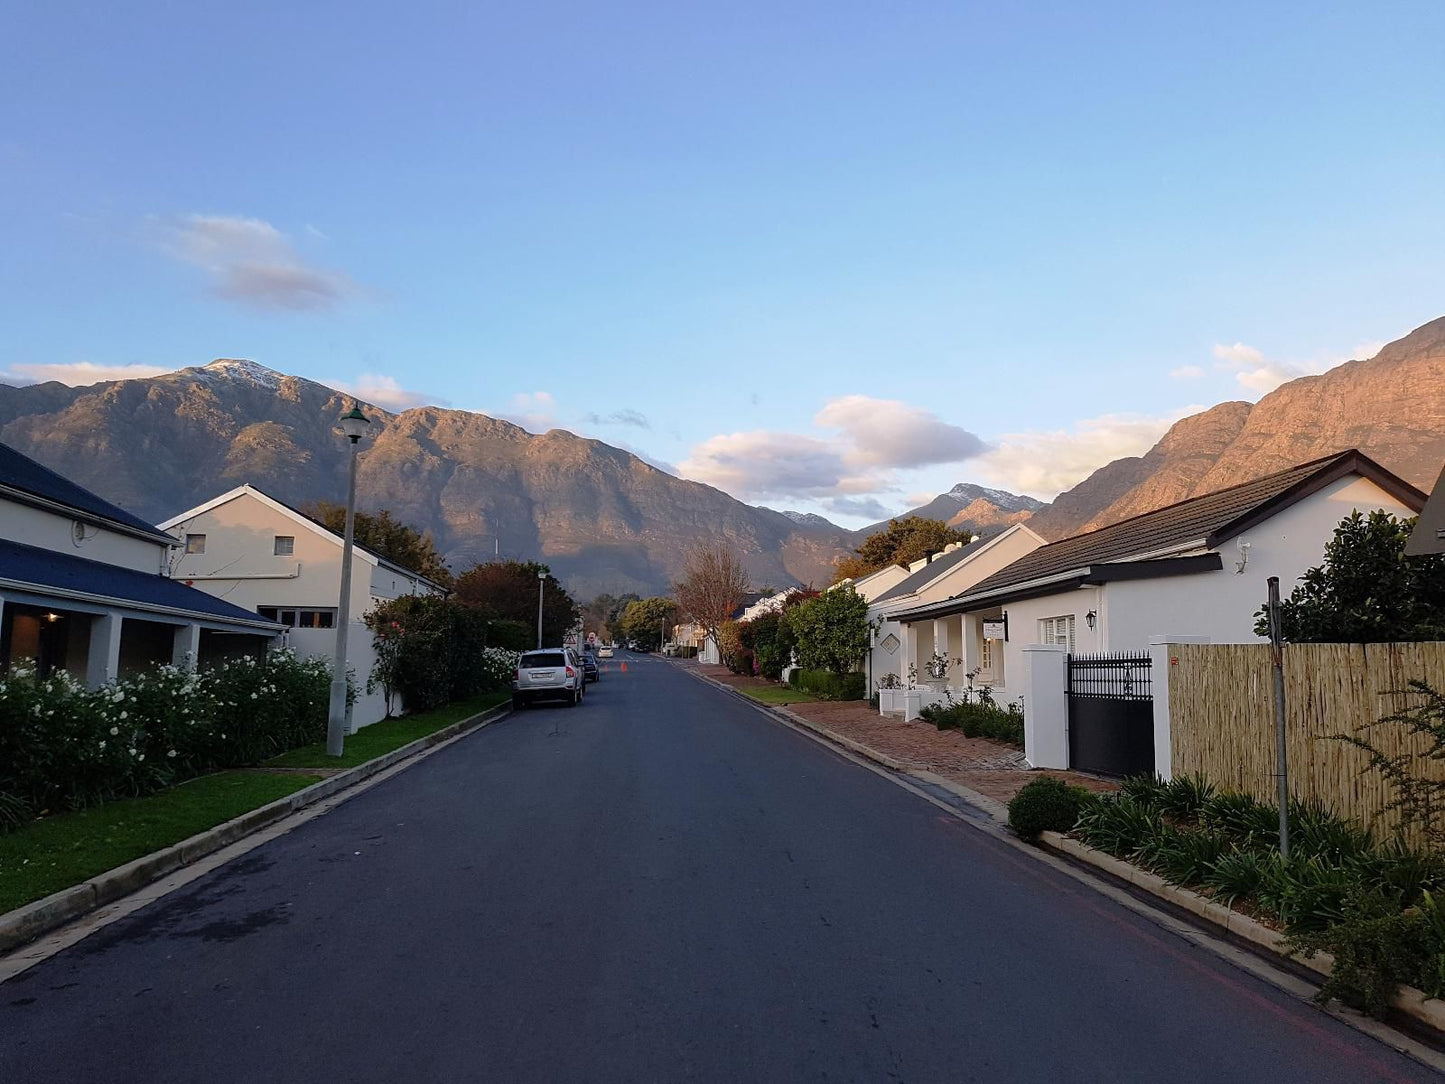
{"x": 985, "y": 655}
{"x": 1057, "y": 630}
{"x": 285, "y": 545}
{"x": 299, "y": 619}
{"x": 195, "y": 543}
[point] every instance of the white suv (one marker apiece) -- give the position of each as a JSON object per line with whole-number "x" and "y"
{"x": 551, "y": 673}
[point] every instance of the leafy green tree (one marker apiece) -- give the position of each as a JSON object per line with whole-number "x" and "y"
{"x": 1367, "y": 590}
{"x": 383, "y": 534}
{"x": 506, "y": 591}
{"x": 831, "y": 630}
{"x": 643, "y": 621}
{"x": 901, "y": 543}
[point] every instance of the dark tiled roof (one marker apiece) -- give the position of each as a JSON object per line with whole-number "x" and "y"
{"x": 43, "y": 569}
{"x": 928, "y": 573}
{"x": 23, "y": 473}
{"x": 748, "y": 600}
{"x": 1212, "y": 518}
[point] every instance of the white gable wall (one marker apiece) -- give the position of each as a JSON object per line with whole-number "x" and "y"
{"x": 32, "y": 526}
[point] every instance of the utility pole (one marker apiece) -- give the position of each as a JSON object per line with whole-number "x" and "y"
{"x": 1281, "y": 751}
{"x": 541, "y": 585}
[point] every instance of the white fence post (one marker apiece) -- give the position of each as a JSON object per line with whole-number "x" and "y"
{"x": 1161, "y": 662}
{"x": 1046, "y": 705}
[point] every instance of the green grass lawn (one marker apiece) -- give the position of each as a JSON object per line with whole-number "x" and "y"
{"x": 774, "y": 694}
{"x": 380, "y": 738}
{"x": 57, "y": 852}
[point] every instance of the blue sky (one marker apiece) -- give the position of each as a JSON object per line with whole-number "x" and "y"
{"x": 827, "y": 256}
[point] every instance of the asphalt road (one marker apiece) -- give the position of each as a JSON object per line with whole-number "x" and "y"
{"x": 662, "y": 884}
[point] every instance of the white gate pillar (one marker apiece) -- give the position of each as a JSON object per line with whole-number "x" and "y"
{"x": 1046, "y": 705}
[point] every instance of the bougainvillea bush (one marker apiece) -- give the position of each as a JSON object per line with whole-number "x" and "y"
{"x": 63, "y": 746}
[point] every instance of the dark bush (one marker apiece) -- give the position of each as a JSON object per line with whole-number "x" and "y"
{"x": 978, "y": 721}
{"x": 826, "y": 685}
{"x": 1046, "y": 804}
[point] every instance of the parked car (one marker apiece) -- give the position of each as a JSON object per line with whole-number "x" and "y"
{"x": 605, "y": 651}
{"x": 553, "y": 673}
{"x": 590, "y": 670}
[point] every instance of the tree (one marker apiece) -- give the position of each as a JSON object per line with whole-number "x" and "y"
{"x": 1367, "y": 590}
{"x": 645, "y": 620}
{"x": 388, "y": 537}
{"x": 831, "y": 630}
{"x": 603, "y": 615}
{"x": 714, "y": 584}
{"x": 506, "y": 591}
{"x": 901, "y": 543}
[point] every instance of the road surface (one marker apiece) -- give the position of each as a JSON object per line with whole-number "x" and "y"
{"x": 663, "y": 884}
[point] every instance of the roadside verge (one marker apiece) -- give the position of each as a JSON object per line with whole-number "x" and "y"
{"x": 33, "y": 920}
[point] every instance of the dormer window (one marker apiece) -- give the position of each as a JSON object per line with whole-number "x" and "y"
{"x": 285, "y": 545}
{"x": 195, "y": 543}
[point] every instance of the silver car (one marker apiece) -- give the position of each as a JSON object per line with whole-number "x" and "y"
{"x": 552, "y": 673}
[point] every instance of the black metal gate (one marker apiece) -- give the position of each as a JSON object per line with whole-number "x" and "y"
{"x": 1111, "y": 714}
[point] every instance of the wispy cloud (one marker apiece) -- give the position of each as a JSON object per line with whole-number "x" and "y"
{"x": 386, "y": 392}
{"x": 250, "y": 261}
{"x": 627, "y": 417}
{"x": 1186, "y": 372}
{"x": 79, "y": 373}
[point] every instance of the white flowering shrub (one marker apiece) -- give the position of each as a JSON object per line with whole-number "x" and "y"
{"x": 63, "y": 746}
{"x": 498, "y": 666}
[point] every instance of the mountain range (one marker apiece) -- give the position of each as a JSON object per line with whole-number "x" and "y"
{"x": 604, "y": 519}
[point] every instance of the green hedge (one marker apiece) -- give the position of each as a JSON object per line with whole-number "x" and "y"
{"x": 979, "y": 721}
{"x": 1046, "y": 804}
{"x": 829, "y": 686}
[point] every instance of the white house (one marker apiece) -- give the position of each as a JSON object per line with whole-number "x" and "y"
{"x": 1195, "y": 570}
{"x": 84, "y": 586}
{"x": 941, "y": 654}
{"x": 251, "y": 549}
{"x": 1429, "y": 534}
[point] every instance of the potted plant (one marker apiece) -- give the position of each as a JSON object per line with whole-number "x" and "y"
{"x": 890, "y": 694}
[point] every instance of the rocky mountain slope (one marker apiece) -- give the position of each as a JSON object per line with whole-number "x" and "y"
{"x": 974, "y": 508}
{"x": 602, "y": 518}
{"x": 1391, "y": 407}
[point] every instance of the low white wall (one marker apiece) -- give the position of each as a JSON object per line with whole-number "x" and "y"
{"x": 360, "y": 658}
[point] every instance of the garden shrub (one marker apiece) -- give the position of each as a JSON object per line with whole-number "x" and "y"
{"x": 1045, "y": 804}
{"x": 64, "y": 746}
{"x": 432, "y": 650}
{"x": 979, "y": 720}
{"x": 826, "y": 685}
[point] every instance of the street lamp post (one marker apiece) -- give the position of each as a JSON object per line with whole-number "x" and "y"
{"x": 354, "y": 425}
{"x": 541, "y": 584}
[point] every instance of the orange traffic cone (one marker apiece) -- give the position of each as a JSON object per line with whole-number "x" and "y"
{"x": 624, "y": 668}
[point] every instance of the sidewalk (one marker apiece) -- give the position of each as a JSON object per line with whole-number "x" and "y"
{"x": 989, "y": 767}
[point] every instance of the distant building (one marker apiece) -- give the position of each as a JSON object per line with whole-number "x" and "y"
{"x": 84, "y": 586}
{"x": 249, "y": 548}
{"x": 1429, "y": 534}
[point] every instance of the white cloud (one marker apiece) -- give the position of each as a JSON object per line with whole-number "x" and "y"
{"x": 889, "y": 433}
{"x": 78, "y": 373}
{"x": 868, "y": 508}
{"x": 1044, "y": 464}
{"x": 252, "y": 262}
{"x": 385, "y": 392}
{"x": 1252, "y": 370}
{"x": 922, "y": 497}
{"x": 871, "y": 439}
{"x": 1186, "y": 372}
{"x": 626, "y": 416}
{"x": 534, "y": 411}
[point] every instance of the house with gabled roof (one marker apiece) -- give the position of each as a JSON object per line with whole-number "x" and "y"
{"x": 957, "y": 646}
{"x": 1429, "y": 534}
{"x": 251, "y": 549}
{"x": 85, "y": 587}
{"x": 1196, "y": 569}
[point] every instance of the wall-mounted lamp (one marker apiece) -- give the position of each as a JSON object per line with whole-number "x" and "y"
{"x": 52, "y": 617}
{"x": 1091, "y": 619}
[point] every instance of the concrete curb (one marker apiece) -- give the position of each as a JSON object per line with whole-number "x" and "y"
{"x": 25, "y": 924}
{"x": 1411, "y": 1002}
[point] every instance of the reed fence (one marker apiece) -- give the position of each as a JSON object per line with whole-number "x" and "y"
{"x": 1221, "y": 709}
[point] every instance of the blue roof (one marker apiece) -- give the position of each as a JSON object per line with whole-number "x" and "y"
{"x": 23, "y": 473}
{"x": 41, "y": 569}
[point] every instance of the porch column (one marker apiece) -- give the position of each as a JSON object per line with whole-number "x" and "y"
{"x": 102, "y": 661}
{"x": 1046, "y": 706}
{"x": 908, "y": 653}
{"x": 186, "y": 650}
{"x": 940, "y": 636}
